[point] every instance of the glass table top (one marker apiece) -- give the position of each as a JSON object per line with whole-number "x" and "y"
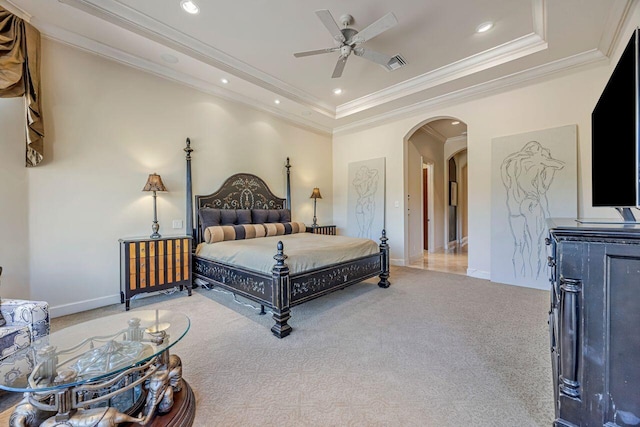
{"x": 92, "y": 350}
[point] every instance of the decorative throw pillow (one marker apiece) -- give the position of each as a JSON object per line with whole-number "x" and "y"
{"x": 221, "y": 233}
{"x": 244, "y": 216}
{"x": 209, "y": 217}
{"x": 228, "y": 217}
{"x": 259, "y": 216}
{"x": 273, "y": 215}
{"x": 274, "y": 229}
{"x": 285, "y": 215}
{"x": 294, "y": 227}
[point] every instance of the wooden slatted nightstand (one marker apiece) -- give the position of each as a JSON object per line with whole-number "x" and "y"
{"x": 149, "y": 265}
{"x": 322, "y": 229}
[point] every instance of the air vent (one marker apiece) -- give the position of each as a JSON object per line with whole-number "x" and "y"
{"x": 395, "y": 63}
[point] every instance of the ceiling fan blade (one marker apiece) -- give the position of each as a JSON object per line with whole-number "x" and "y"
{"x": 381, "y": 25}
{"x": 372, "y": 55}
{"x": 330, "y": 23}
{"x": 337, "y": 72}
{"x": 315, "y": 52}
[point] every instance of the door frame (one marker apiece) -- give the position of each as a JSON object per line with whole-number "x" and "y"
{"x": 430, "y": 210}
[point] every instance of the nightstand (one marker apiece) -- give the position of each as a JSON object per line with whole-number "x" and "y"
{"x": 149, "y": 265}
{"x": 322, "y": 229}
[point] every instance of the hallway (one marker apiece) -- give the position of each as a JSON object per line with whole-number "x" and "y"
{"x": 452, "y": 261}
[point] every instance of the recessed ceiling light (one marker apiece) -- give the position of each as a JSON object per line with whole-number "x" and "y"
{"x": 455, "y": 122}
{"x": 277, "y": 101}
{"x": 224, "y": 81}
{"x": 190, "y": 7}
{"x": 169, "y": 58}
{"x": 484, "y": 27}
{"x": 337, "y": 91}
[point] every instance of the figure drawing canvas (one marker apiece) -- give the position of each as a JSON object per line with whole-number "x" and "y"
{"x": 365, "y": 198}
{"x": 534, "y": 177}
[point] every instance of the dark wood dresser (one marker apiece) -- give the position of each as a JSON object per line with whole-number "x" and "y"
{"x": 149, "y": 265}
{"x": 594, "y": 322}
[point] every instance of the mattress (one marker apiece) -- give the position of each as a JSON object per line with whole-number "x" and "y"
{"x": 305, "y": 251}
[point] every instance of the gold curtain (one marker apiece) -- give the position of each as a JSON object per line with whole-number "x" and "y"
{"x": 20, "y": 75}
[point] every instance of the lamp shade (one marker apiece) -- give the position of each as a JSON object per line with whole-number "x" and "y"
{"x": 154, "y": 183}
{"x": 316, "y": 194}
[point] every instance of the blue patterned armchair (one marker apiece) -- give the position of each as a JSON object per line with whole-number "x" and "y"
{"x": 26, "y": 321}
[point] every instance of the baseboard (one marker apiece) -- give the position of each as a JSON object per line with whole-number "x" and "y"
{"x": 524, "y": 285}
{"x": 77, "y": 307}
{"x": 398, "y": 262}
{"x": 478, "y": 274}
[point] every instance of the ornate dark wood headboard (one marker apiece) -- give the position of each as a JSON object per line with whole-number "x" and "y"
{"x": 239, "y": 191}
{"x": 242, "y": 191}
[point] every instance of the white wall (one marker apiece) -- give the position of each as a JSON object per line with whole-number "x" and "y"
{"x": 108, "y": 126}
{"x": 14, "y": 209}
{"x": 566, "y": 99}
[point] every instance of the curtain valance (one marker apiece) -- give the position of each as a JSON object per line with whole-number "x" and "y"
{"x": 20, "y": 76}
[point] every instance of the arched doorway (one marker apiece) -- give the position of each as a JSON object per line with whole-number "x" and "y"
{"x": 436, "y": 189}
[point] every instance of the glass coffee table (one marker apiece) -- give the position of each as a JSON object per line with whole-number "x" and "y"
{"x": 111, "y": 370}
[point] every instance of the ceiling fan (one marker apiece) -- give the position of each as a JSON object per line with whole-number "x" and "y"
{"x": 351, "y": 39}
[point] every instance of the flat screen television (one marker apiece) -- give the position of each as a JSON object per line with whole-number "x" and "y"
{"x": 615, "y": 164}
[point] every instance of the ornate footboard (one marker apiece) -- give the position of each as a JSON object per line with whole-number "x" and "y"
{"x": 280, "y": 291}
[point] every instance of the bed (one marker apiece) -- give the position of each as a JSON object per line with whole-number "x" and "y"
{"x": 247, "y": 244}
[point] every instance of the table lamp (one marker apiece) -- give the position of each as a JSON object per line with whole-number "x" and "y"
{"x": 154, "y": 183}
{"x": 315, "y": 195}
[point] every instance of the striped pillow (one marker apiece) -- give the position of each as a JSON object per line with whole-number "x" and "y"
{"x": 280, "y": 228}
{"x": 220, "y": 233}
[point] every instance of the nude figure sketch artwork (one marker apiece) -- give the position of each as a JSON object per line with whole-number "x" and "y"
{"x": 534, "y": 177}
{"x": 365, "y": 198}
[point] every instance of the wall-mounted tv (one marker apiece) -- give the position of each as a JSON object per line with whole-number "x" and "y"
{"x": 615, "y": 164}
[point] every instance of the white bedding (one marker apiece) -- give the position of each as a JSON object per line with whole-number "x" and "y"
{"x": 305, "y": 251}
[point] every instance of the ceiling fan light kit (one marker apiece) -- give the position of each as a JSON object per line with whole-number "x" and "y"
{"x": 350, "y": 40}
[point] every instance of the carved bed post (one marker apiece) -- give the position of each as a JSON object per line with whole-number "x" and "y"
{"x": 288, "y": 166}
{"x": 189, "y": 219}
{"x": 281, "y": 293}
{"x": 384, "y": 250}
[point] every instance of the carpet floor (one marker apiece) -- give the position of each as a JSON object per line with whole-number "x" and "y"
{"x": 434, "y": 349}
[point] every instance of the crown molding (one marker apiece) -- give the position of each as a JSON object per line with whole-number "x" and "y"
{"x": 614, "y": 24}
{"x": 16, "y": 10}
{"x": 483, "y": 89}
{"x": 133, "y": 20}
{"x": 130, "y": 19}
{"x": 91, "y": 46}
{"x": 510, "y": 51}
{"x": 515, "y": 49}
{"x": 532, "y": 41}
{"x": 432, "y": 133}
{"x": 456, "y": 139}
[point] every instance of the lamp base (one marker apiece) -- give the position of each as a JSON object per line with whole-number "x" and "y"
{"x": 155, "y": 227}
